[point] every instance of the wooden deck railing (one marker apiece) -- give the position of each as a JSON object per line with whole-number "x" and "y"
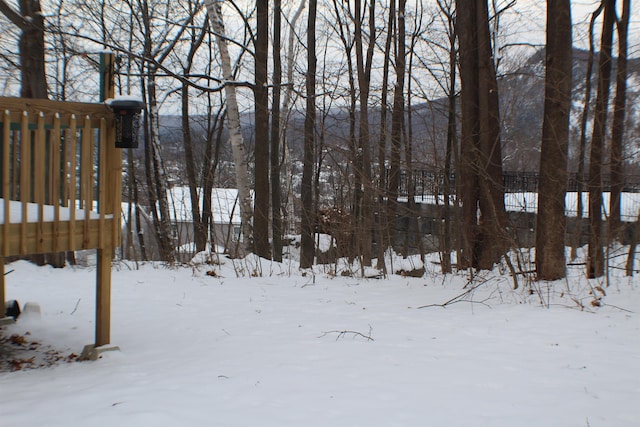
{"x": 60, "y": 183}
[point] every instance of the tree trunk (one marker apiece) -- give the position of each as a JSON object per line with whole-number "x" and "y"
{"x": 199, "y": 227}
{"x": 199, "y": 232}
{"x": 363, "y": 152}
{"x": 233, "y": 123}
{"x": 493, "y": 214}
{"x": 286, "y": 103}
{"x": 448, "y": 216}
{"x": 551, "y": 220}
{"x": 617, "y": 129}
{"x": 307, "y": 250}
{"x": 347, "y": 42}
{"x": 261, "y": 93}
{"x": 397, "y": 125}
{"x": 276, "y": 192}
{"x": 582, "y": 151}
{"x": 416, "y": 235}
{"x": 482, "y": 190}
{"x": 631, "y": 256}
{"x": 384, "y": 212}
{"x": 469, "y": 194}
{"x": 595, "y": 262}
{"x": 157, "y": 177}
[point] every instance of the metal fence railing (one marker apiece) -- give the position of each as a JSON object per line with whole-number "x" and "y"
{"x": 427, "y": 184}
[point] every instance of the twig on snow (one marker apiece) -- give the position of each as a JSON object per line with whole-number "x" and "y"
{"x": 341, "y": 334}
{"x": 458, "y": 298}
{"x": 76, "y": 307}
{"x": 615, "y": 306}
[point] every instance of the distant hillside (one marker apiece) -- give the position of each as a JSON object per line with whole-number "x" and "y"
{"x": 521, "y": 103}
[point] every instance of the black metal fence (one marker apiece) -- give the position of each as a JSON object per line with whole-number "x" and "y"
{"x": 427, "y": 184}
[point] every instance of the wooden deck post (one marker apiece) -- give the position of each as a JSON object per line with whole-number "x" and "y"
{"x": 105, "y": 252}
{"x": 103, "y": 297}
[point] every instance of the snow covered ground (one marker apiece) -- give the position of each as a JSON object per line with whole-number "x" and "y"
{"x": 288, "y": 349}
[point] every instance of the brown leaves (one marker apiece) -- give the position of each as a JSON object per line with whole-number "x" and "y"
{"x": 17, "y": 339}
{"x": 18, "y": 352}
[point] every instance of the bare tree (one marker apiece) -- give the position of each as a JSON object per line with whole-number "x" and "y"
{"x": 157, "y": 48}
{"x": 617, "y": 127}
{"x": 451, "y": 150}
{"x": 288, "y": 100}
{"x": 480, "y": 166}
{"x": 276, "y": 192}
{"x": 595, "y": 262}
{"x": 261, "y": 94}
{"x": 307, "y": 250}
{"x": 364, "y": 189}
{"x": 584, "y": 118}
{"x": 551, "y": 221}
{"x": 385, "y": 212}
{"x": 397, "y": 119}
{"x": 233, "y": 122}
{"x": 348, "y": 43}
{"x": 196, "y": 37}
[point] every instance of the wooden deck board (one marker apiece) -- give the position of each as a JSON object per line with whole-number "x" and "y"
{"x": 44, "y": 240}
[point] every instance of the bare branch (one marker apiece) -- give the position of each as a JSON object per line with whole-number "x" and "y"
{"x": 15, "y": 17}
{"x": 342, "y": 334}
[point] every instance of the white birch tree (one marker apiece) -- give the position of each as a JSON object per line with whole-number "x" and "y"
{"x": 233, "y": 122}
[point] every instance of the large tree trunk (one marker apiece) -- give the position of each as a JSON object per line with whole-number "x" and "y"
{"x": 233, "y": 123}
{"x": 617, "y": 131}
{"x": 551, "y": 221}
{"x": 469, "y": 96}
{"x": 307, "y": 251}
{"x": 595, "y": 262}
{"x": 262, "y": 202}
{"x": 482, "y": 190}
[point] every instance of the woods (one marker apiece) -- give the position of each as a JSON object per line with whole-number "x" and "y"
{"x": 329, "y": 116}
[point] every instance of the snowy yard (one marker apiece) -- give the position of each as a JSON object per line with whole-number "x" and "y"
{"x": 322, "y": 350}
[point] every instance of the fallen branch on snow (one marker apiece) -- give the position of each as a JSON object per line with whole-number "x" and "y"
{"x": 459, "y": 298}
{"x": 341, "y": 334}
